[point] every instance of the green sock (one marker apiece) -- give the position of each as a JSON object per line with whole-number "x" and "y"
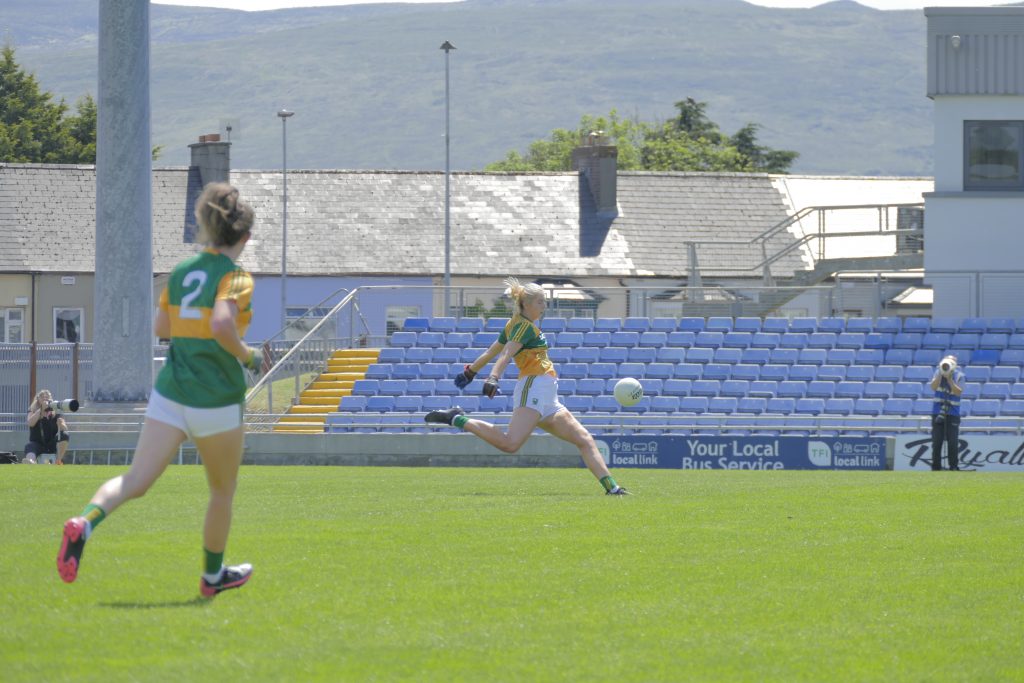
{"x": 94, "y": 514}
{"x": 608, "y": 483}
{"x": 460, "y": 421}
{"x": 214, "y": 561}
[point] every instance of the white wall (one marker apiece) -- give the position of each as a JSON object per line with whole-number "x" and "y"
{"x": 950, "y": 114}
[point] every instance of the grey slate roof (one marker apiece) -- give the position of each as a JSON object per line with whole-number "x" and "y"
{"x": 388, "y": 222}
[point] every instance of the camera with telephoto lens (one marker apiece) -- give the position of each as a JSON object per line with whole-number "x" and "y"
{"x": 947, "y": 365}
{"x": 65, "y": 406}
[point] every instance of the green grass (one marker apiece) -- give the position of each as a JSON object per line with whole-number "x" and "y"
{"x": 528, "y": 575}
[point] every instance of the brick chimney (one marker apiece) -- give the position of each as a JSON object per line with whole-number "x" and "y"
{"x": 212, "y": 159}
{"x": 596, "y": 160}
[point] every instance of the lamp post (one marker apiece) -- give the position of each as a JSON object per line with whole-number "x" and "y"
{"x": 447, "y": 47}
{"x": 284, "y": 114}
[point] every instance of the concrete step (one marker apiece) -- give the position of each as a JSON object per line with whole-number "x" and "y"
{"x": 352, "y": 354}
{"x": 306, "y": 400}
{"x": 306, "y": 410}
{"x": 340, "y": 376}
{"x": 329, "y": 385}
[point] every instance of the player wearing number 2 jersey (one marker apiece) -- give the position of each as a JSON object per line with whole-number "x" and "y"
{"x": 200, "y": 391}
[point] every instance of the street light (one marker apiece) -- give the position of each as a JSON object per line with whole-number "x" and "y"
{"x": 284, "y": 114}
{"x": 447, "y": 47}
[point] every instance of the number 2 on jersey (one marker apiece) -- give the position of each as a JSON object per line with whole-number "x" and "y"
{"x": 197, "y": 278}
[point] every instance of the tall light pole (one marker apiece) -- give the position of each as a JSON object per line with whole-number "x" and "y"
{"x": 447, "y": 47}
{"x": 284, "y": 114}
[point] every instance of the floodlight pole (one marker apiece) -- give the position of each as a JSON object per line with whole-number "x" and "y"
{"x": 447, "y": 47}
{"x": 284, "y": 114}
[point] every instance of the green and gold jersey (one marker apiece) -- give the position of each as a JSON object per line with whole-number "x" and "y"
{"x": 199, "y": 373}
{"x": 532, "y": 359}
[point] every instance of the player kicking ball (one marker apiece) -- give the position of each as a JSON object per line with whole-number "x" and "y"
{"x": 536, "y": 394}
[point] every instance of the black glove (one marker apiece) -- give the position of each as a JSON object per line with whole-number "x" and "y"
{"x": 490, "y": 387}
{"x": 464, "y": 377}
{"x": 254, "y": 363}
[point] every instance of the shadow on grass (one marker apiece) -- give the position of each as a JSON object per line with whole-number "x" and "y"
{"x": 168, "y": 604}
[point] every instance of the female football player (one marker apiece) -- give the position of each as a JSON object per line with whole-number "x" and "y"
{"x": 200, "y": 391}
{"x": 536, "y": 393}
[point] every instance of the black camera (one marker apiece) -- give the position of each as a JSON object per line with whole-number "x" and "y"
{"x": 65, "y": 406}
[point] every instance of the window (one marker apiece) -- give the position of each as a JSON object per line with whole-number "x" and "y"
{"x": 396, "y": 316}
{"x": 68, "y": 325}
{"x": 993, "y": 154}
{"x": 11, "y": 325}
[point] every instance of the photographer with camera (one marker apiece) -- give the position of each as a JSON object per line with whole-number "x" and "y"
{"x": 48, "y": 432}
{"x": 948, "y": 384}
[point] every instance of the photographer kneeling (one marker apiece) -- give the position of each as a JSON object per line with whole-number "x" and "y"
{"x": 948, "y": 384}
{"x": 48, "y": 432}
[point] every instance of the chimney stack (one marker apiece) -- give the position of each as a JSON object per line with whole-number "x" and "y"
{"x": 211, "y": 158}
{"x": 597, "y": 161}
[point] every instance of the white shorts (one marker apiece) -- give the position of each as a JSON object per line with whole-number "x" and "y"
{"x": 196, "y": 422}
{"x": 539, "y": 392}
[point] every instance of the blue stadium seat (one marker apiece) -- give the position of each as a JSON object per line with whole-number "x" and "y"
{"x": 812, "y": 356}
{"x": 597, "y": 338}
{"x": 458, "y": 340}
{"x": 630, "y": 370}
{"x": 719, "y": 324}
{"x": 570, "y": 339}
{"x": 878, "y": 340}
{"x": 693, "y": 404}
{"x": 861, "y": 373}
{"x": 380, "y": 404}
{"x": 832, "y": 324}
{"x": 835, "y": 373}
{"x": 730, "y": 356}
{"x": 366, "y": 387}
{"x": 705, "y": 387}
{"x": 724, "y": 405}
{"x": 965, "y": 340}
{"x": 781, "y": 405}
{"x": 409, "y": 404}
{"x": 699, "y": 354}
{"x": 996, "y": 390}
{"x": 403, "y": 339}
{"x": 746, "y": 371}
{"x": 917, "y": 324}
{"x": 899, "y": 357}
{"x": 868, "y": 406}
{"x": 607, "y": 325}
{"x": 665, "y": 325}
{"x": 636, "y": 324}
{"x": 711, "y": 340}
{"x": 659, "y": 370}
{"x": 850, "y": 340}
{"x": 889, "y": 373}
{"x": 994, "y": 340}
{"x": 980, "y": 357}
{"x": 391, "y": 355}
{"x": 415, "y": 325}
{"x": 985, "y": 407}
{"x": 1005, "y": 373}
{"x": 776, "y": 325}
{"x": 936, "y": 340}
{"x": 441, "y": 324}
{"x": 869, "y": 357}
{"x": 755, "y": 356}
{"x": 419, "y": 354}
{"x": 688, "y": 371}
{"x": 822, "y": 340}
{"x": 971, "y": 390}
{"x": 560, "y": 354}
{"x": 793, "y": 340}
{"x": 574, "y": 370}
{"x": 804, "y": 373}
{"x": 497, "y": 404}
{"x": 806, "y": 325}
{"x": 579, "y": 325}
{"x": 684, "y": 339}
{"x": 352, "y": 404}
{"x": 754, "y": 405}
{"x": 949, "y": 325}
{"x": 918, "y": 373}
{"x": 929, "y": 357}
{"x": 566, "y": 386}
{"x": 420, "y": 387}
{"x": 691, "y": 324}
{"x": 471, "y": 325}
{"x": 763, "y": 388}
{"x": 553, "y": 324}
{"x": 1013, "y": 407}
{"x": 792, "y": 389}
{"x": 670, "y": 354}
{"x": 653, "y": 339}
{"x": 495, "y": 324}
{"x": 765, "y": 340}
{"x": 470, "y": 355}
{"x": 678, "y": 387}
{"x": 810, "y": 406}
{"x": 484, "y": 339}
{"x": 1017, "y": 390}
{"x": 586, "y": 354}
{"x": 590, "y": 386}
{"x": 780, "y": 356}
{"x": 887, "y": 325}
{"x": 438, "y": 402}
{"x": 849, "y": 389}
{"x": 639, "y": 354}
{"x": 578, "y": 404}
{"x": 977, "y": 373}
{"x": 775, "y": 372}
{"x": 877, "y": 389}
{"x": 973, "y": 325}
{"x": 431, "y": 340}
{"x": 405, "y": 371}
{"x": 392, "y": 387}
{"x": 446, "y": 355}
{"x": 839, "y": 406}
{"x": 747, "y": 325}
{"x": 652, "y": 387}
{"x": 719, "y": 371}
{"x": 907, "y": 390}
{"x": 665, "y": 404}
{"x": 1012, "y": 357}
{"x": 907, "y": 340}
{"x": 737, "y": 340}
{"x": 923, "y": 406}
{"x": 821, "y": 389}
{"x": 862, "y": 325}
{"x": 507, "y": 386}
{"x": 897, "y": 406}
{"x": 735, "y": 387}
{"x": 379, "y": 371}
{"x": 625, "y": 338}
{"x": 1004, "y": 325}
{"x": 602, "y": 370}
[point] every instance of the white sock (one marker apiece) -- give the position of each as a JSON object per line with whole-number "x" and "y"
{"x": 88, "y": 530}
{"x": 214, "y": 578}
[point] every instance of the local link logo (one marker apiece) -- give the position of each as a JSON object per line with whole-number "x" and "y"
{"x": 968, "y": 458}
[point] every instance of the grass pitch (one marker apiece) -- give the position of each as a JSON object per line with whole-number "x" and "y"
{"x": 525, "y": 575}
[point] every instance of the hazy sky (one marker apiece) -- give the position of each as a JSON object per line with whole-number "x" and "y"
{"x": 278, "y": 4}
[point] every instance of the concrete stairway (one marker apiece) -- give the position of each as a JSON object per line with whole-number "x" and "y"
{"x": 324, "y": 393}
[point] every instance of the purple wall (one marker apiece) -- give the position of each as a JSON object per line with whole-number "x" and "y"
{"x": 304, "y": 292}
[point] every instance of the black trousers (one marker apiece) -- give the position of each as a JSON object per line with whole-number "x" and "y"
{"x": 946, "y": 429}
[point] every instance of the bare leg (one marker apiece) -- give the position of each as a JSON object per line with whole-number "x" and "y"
{"x": 158, "y": 443}
{"x": 222, "y": 455}
{"x": 62, "y": 448}
{"x": 524, "y": 421}
{"x": 565, "y": 426}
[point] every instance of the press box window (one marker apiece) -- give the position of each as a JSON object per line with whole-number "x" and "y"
{"x": 993, "y": 153}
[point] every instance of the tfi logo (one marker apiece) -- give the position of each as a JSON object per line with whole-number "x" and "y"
{"x": 606, "y": 453}
{"x": 819, "y": 453}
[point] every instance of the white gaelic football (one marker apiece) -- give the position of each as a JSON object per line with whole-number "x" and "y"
{"x": 628, "y": 392}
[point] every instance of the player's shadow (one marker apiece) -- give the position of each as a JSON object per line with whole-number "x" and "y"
{"x": 166, "y": 604}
